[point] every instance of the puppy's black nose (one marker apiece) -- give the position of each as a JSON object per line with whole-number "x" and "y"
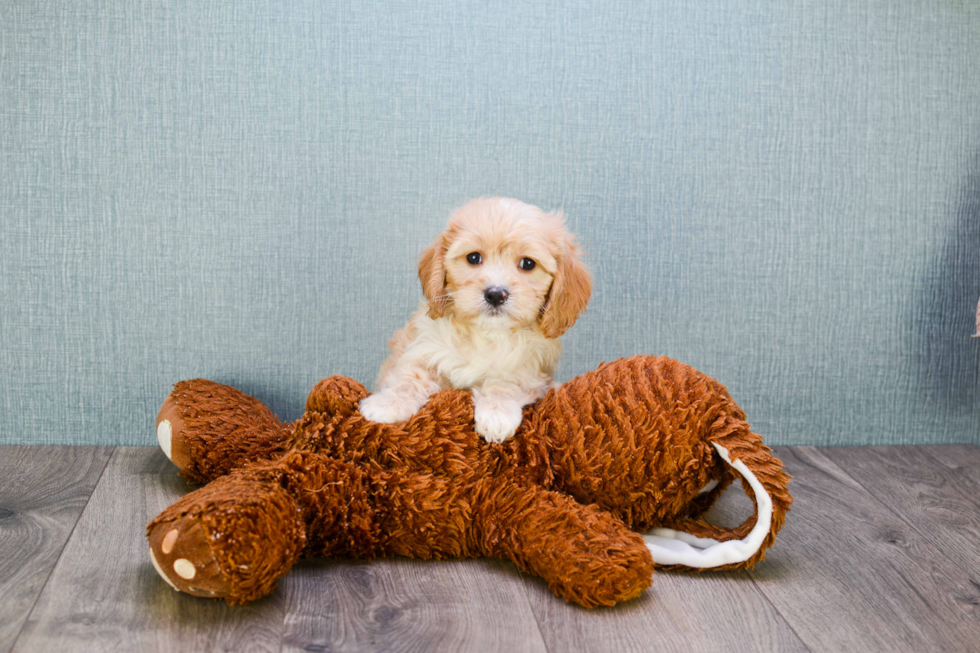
{"x": 495, "y": 296}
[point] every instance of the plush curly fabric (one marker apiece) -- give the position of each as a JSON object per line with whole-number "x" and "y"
{"x": 628, "y": 447}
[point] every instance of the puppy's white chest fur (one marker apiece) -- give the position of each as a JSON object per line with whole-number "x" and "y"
{"x": 466, "y": 356}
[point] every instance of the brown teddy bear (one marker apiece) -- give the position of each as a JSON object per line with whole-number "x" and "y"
{"x": 638, "y": 444}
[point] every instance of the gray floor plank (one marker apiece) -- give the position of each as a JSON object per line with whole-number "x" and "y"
{"x": 928, "y": 497}
{"x": 850, "y": 575}
{"x": 43, "y": 491}
{"x": 408, "y": 605}
{"x": 878, "y": 553}
{"x": 962, "y": 462}
{"x": 680, "y": 612}
{"x": 104, "y": 595}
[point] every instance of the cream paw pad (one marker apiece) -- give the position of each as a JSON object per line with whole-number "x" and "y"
{"x": 170, "y": 428}
{"x": 182, "y": 556}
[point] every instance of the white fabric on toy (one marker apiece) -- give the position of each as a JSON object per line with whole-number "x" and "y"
{"x": 164, "y": 436}
{"x": 670, "y": 547}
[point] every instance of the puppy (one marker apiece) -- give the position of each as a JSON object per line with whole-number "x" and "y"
{"x": 501, "y": 284}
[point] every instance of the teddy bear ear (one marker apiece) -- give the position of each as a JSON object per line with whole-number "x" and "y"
{"x": 336, "y": 394}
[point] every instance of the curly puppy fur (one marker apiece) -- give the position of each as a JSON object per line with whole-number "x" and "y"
{"x": 502, "y": 283}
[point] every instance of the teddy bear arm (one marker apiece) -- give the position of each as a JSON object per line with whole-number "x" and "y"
{"x": 208, "y": 429}
{"x": 586, "y": 555}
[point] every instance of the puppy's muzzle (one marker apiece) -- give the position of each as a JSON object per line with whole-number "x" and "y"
{"x": 495, "y": 296}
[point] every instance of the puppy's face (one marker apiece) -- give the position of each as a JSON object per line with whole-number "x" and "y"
{"x": 498, "y": 268}
{"x": 503, "y": 263}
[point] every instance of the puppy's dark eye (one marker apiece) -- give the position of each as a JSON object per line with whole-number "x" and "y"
{"x": 474, "y": 258}
{"x": 527, "y": 264}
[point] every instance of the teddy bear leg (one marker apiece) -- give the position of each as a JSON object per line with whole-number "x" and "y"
{"x": 207, "y": 429}
{"x": 236, "y": 536}
{"x": 586, "y": 555}
{"x": 231, "y": 539}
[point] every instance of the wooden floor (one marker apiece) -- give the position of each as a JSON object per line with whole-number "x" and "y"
{"x": 880, "y": 553}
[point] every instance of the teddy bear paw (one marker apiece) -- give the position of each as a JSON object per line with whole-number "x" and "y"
{"x": 170, "y": 434}
{"x": 180, "y": 553}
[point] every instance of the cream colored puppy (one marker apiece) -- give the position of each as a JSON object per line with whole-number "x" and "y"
{"x": 501, "y": 283}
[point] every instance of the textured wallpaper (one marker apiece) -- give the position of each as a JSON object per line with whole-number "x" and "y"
{"x": 783, "y": 194}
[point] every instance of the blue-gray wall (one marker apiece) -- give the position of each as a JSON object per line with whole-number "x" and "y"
{"x": 784, "y": 194}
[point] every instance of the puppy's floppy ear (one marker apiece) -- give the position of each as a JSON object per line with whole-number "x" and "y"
{"x": 569, "y": 295}
{"x": 432, "y": 274}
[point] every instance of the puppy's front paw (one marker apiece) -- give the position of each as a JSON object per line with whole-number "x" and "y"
{"x": 387, "y": 408}
{"x": 497, "y": 422}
